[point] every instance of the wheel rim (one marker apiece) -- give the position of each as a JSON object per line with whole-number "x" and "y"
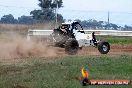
{"x": 105, "y": 47}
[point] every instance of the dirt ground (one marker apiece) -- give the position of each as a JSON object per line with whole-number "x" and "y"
{"x": 115, "y": 50}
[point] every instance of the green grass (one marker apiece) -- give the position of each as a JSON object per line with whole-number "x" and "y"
{"x": 63, "y": 72}
{"x": 116, "y": 40}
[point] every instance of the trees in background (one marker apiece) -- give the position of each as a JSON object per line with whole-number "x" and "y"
{"x": 94, "y": 24}
{"x": 88, "y": 24}
{"x": 8, "y": 19}
{"x": 102, "y": 25}
{"x": 47, "y": 11}
{"x": 25, "y": 20}
{"x": 45, "y": 14}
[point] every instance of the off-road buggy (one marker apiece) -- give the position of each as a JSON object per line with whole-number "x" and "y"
{"x": 72, "y": 37}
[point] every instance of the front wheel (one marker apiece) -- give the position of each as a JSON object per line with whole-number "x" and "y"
{"x": 103, "y": 47}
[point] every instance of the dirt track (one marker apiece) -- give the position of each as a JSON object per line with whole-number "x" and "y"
{"x": 18, "y": 47}
{"x": 115, "y": 50}
{"x": 86, "y": 51}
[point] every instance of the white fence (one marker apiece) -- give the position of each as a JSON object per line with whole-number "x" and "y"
{"x": 97, "y": 32}
{"x": 110, "y": 32}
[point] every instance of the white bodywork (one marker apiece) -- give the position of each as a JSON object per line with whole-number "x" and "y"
{"x": 83, "y": 39}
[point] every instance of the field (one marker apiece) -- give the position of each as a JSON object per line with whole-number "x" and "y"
{"x": 64, "y": 72}
{"x": 33, "y": 65}
{"x": 116, "y": 40}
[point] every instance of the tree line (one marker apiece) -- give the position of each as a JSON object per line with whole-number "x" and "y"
{"x": 9, "y": 19}
{"x": 103, "y": 25}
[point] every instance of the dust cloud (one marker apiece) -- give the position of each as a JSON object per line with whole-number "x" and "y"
{"x": 16, "y": 46}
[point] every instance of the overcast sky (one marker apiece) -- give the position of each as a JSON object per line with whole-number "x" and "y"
{"x": 99, "y": 5}
{"x": 120, "y": 10}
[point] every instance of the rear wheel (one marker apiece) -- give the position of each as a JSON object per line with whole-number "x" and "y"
{"x": 71, "y": 46}
{"x": 103, "y": 47}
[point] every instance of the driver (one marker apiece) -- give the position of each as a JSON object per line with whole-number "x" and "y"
{"x": 63, "y": 29}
